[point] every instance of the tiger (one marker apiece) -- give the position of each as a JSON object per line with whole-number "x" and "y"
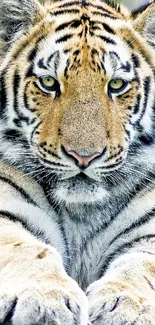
{"x": 77, "y": 163}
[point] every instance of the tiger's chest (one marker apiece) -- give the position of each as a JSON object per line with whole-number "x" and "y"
{"x": 92, "y": 243}
{"x": 86, "y": 244}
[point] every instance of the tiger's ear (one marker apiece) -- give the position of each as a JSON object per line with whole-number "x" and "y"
{"x": 15, "y": 18}
{"x": 144, "y": 21}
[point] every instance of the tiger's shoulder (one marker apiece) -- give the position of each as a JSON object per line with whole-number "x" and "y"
{"x": 23, "y": 201}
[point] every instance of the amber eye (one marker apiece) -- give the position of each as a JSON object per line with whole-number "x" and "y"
{"x": 115, "y": 85}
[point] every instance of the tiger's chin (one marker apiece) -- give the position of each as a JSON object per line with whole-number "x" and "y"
{"x": 80, "y": 191}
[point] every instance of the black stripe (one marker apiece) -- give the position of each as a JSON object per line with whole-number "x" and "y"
{"x": 122, "y": 203}
{"x": 75, "y": 23}
{"x": 73, "y": 3}
{"x": 51, "y": 57}
{"x": 30, "y": 72}
{"x": 120, "y": 250}
{"x": 94, "y": 27}
{"x": 63, "y": 26}
{"x": 147, "y": 217}
{"x": 101, "y": 8}
{"x": 25, "y": 95}
{"x": 64, "y": 38}
{"x": 15, "y": 56}
{"x": 103, "y": 15}
{"x": 135, "y": 60}
{"x": 16, "y": 218}
{"x": 41, "y": 64}
{"x": 3, "y": 97}
{"x": 63, "y": 12}
{"x": 144, "y": 251}
{"x": 16, "y": 84}
{"x": 26, "y": 104}
{"x": 12, "y": 134}
{"x": 146, "y": 139}
{"x": 17, "y": 122}
{"x": 128, "y": 133}
{"x": 149, "y": 283}
{"x": 25, "y": 119}
{"x": 66, "y": 71}
{"x": 113, "y": 53}
{"x": 61, "y": 226}
{"x": 52, "y": 162}
{"x": 32, "y": 54}
{"x": 107, "y": 39}
{"x": 72, "y": 24}
{"x": 11, "y": 313}
{"x": 34, "y": 131}
{"x": 19, "y": 189}
{"x": 76, "y": 52}
{"x": 126, "y": 67}
{"x": 12, "y": 217}
{"x": 110, "y": 166}
{"x": 67, "y": 255}
{"x": 137, "y": 105}
{"x": 108, "y": 28}
{"x": 147, "y": 86}
{"x": 94, "y": 52}
{"x": 130, "y": 42}
{"x": 70, "y": 4}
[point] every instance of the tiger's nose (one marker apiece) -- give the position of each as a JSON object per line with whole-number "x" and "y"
{"x": 82, "y": 161}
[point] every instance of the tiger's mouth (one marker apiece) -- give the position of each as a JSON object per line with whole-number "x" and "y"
{"x": 82, "y": 179}
{"x": 76, "y": 186}
{"x": 94, "y": 172}
{"x": 72, "y": 184}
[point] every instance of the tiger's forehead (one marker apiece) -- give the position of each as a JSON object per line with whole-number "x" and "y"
{"x": 98, "y": 8}
{"x": 94, "y": 15}
{"x": 85, "y": 31}
{"x": 82, "y": 41}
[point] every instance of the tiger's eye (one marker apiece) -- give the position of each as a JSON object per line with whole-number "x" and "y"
{"x": 47, "y": 82}
{"x": 116, "y": 84}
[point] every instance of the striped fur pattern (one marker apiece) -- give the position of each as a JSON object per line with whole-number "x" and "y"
{"x": 77, "y": 241}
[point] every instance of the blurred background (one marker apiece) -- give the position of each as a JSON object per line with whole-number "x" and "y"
{"x": 131, "y": 4}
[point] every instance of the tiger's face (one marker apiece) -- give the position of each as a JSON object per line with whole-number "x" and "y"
{"x": 82, "y": 98}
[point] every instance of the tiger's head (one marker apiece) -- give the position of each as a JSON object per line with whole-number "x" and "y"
{"x": 77, "y": 91}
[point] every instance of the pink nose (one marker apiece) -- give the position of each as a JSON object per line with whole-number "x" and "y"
{"x": 83, "y": 161}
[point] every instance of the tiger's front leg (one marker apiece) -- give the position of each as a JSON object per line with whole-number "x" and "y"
{"x": 126, "y": 294}
{"x": 34, "y": 287}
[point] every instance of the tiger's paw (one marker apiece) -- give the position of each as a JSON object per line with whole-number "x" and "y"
{"x": 114, "y": 303}
{"x": 57, "y": 306}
